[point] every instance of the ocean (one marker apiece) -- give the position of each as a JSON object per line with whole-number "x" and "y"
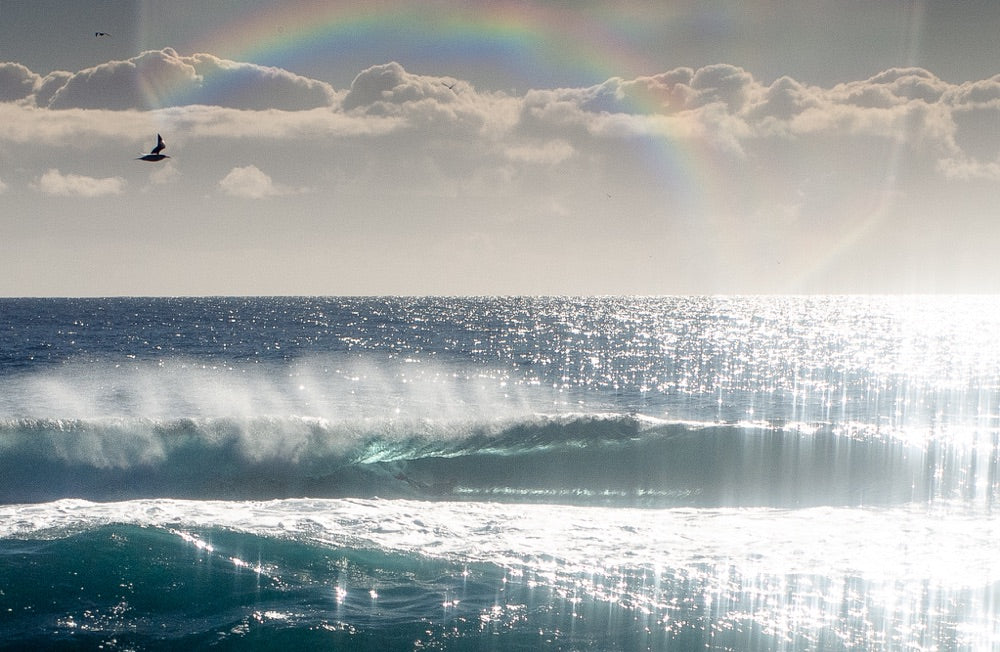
{"x": 612, "y": 473}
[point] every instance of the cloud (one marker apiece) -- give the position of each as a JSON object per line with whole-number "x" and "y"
{"x": 438, "y": 105}
{"x": 16, "y": 82}
{"x": 130, "y": 84}
{"x": 54, "y": 182}
{"x": 783, "y": 100}
{"x": 681, "y": 89}
{"x": 49, "y": 85}
{"x": 250, "y": 182}
{"x": 548, "y": 153}
{"x": 161, "y": 78}
{"x": 891, "y": 88}
{"x": 312, "y": 124}
{"x": 163, "y": 174}
{"x": 730, "y": 85}
{"x": 84, "y": 129}
{"x": 719, "y": 108}
{"x": 253, "y": 87}
{"x": 377, "y": 88}
{"x": 724, "y": 108}
{"x": 665, "y": 93}
{"x": 977, "y": 93}
{"x": 969, "y": 170}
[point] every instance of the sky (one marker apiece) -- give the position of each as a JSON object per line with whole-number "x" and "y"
{"x": 537, "y": 147}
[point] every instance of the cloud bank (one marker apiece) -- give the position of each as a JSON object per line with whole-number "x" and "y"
{"x": 162, "y": 78}
{"x": 721, "y": 106}
{"x": 771, "y": 142}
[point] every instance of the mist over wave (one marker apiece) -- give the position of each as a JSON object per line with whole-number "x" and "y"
{"x": 327, "y": 386}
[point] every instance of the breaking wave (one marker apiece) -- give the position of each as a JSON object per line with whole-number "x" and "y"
{"x": 579, "y": 458}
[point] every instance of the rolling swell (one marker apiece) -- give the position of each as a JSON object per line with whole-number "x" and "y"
{"x": 582, "y": 459}
{"x": 154, "y": 588}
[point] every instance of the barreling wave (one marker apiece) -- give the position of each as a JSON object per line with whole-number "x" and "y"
{"x": 586, "y": 459}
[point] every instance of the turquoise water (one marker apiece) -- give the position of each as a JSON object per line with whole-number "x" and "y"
{"x": 749, "y": 473}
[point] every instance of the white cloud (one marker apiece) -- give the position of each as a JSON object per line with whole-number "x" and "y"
{"x": 54, "y": 182}
{"x": 250, "y": 182}
{"x": 74, "y": 128}
{"x": 724, "y": 83}
{"x": 132, "y": 84}
{"x": 378, "y": 87}
{"x": 890, "y": 88}
{"x": 249, "y": 86}
{"x": 434, "y": 105}
{"x": 719, "y": 108}
{"x": 159, "y": 78}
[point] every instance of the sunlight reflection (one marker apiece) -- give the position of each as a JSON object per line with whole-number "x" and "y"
{"x": 195, "y": 541}
{"x": 822, "y": 578}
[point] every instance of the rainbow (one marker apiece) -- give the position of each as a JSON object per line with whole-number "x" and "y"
{"x": 533, "y": 36}
{"x": 567, "y": 46}
{"x": 564, "y": 45}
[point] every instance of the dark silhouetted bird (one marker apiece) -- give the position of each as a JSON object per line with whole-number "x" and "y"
{"x": 154, "y": 154}
{"x": 100, "y": 34}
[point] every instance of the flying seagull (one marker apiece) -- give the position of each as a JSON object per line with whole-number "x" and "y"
{"x": 154, "y": 154}
{"x": 450, "y": 87}
{"x": 100, "y": 34}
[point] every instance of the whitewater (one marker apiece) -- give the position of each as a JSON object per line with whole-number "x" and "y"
{"x": 663, "y": 473}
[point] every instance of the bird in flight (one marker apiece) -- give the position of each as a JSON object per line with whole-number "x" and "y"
{"x": 450, "y": 87}
{"x": 101, "y": 34}
{"x": 154, "y": 154}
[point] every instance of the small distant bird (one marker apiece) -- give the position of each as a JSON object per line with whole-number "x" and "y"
{"x": 450, "y": 87}
{"x": 100, "y": 34}
{"x": 154, "y": 154}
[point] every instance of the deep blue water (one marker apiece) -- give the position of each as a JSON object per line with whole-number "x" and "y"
{"x": 500, "y": 473}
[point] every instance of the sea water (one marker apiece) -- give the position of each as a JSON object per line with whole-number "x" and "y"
{"x": 672, "y": 473}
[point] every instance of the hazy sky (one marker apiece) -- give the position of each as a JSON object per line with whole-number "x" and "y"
{"x": 521, "y": 147}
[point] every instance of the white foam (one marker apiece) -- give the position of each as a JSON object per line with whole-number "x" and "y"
{"x": 947, "y": 544}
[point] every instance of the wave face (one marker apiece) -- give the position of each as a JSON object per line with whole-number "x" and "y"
{"x": 671, "y": 473}
{"x": 601, "y": 459}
